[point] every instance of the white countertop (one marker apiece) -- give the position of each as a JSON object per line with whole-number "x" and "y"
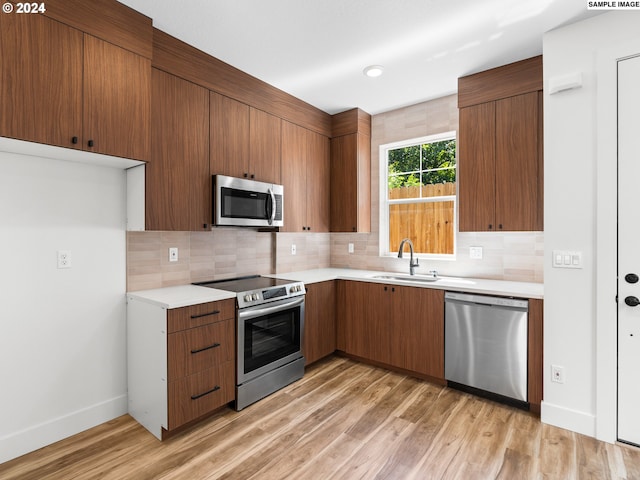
{"x": 180, "y": 296}
{"x": 458, "y": 284}
{"x": 185, "y": 295}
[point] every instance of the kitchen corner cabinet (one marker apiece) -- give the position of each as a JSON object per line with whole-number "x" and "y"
{"x": 181, "y": 362}
{"x": 245, "y": 141}
{"x": 351, "y": 172}
{"x": 399, "y": 326}
{"x": 178, "y": 182}
{"x": 319, "y": 321}
{"x": 63, "y": 87}
{"x": 305, "y": 176}
{"x": 500, "y": 149}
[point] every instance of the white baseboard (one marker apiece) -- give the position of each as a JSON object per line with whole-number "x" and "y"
{"x": 24, "y": 441}
{"x": 574, "y": 420}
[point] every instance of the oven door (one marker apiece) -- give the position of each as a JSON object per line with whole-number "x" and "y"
{"x": 269, "y": 336}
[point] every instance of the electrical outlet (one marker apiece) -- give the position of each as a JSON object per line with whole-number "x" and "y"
{"x": 173, "y": 254}
{"x": 351, "y": 248}
{"x": 557, "y": 374}
{"x": 64, "y": 259}
{"x": 293, "y": 249}
{"x": 475, "y": 253}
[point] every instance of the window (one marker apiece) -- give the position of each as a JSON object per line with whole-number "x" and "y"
{"x": 418, "y": 195}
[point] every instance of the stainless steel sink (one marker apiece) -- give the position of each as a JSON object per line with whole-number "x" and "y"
{"x": 408, "y": 278}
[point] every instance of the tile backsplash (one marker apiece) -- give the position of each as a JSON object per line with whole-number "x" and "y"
{"x": 220, "y": 253}
{"x": 225, "y": 253}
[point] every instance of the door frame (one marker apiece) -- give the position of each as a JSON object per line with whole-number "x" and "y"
{"x": 607, "y": 238}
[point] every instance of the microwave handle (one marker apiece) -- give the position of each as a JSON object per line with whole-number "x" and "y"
{"x": 271, "y": 210}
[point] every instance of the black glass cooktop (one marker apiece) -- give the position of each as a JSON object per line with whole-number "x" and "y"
{"x": 244, "y": 284}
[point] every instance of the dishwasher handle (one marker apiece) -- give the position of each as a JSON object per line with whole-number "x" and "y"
{"x": 512, "y": 303}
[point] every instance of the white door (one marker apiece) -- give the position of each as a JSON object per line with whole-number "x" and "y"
{"x": 629, "y": 250}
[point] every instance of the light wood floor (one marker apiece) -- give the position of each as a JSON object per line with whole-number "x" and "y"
{"x": 343, "y": 420}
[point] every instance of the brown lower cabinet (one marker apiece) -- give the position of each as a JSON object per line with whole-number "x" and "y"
{"x": 181, "y": 362}
{"x": 319, "y": 321}
{"x": 398, "y": 326}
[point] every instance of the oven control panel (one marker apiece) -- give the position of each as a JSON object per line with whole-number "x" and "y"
{"x": 256, "y": 297}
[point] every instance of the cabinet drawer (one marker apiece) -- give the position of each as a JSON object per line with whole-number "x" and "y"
{"x": 198, "y": 315}
{"x": 196, "y": 349}
{"x": 193, "y": 396}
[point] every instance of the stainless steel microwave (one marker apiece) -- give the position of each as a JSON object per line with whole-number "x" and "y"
{"x": 246, "y": 203}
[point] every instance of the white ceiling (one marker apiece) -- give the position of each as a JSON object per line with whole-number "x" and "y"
{"x": 316, "y": 49}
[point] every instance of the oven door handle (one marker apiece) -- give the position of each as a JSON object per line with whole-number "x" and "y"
{"x": 250, "y": 313}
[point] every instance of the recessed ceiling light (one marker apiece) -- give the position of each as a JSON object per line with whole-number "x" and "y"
{"x": 373, "y": 70}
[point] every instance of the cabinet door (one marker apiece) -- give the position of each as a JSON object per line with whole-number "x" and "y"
{"x": 516, "y": 168}
{"x": 318, "y": 184}
{"x": 344, "y": 192}
{"x": 350, "y": 183}
{"x": 477, "y": 168}
{"x": 418, "y": 330}
{"x": 319, "y": 321}
{"x": 363, "y": 320}
{"x": 41, "y": 80}
{"x": 294, "y": 177}
{"x": 265, "y": 146}
{"x": 178, "y": 183}
{"x": 117, "y": 100}
{"x": 229, "y": 154}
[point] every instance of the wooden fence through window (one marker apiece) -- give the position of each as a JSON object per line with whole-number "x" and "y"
{"x": 429, "y": 225}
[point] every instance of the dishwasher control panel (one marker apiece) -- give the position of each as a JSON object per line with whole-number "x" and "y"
{"x": 486, "y": 300}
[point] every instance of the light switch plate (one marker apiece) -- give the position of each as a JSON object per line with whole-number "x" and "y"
{"x": 294, "y": 250}
{"x": 566, "y": 259}
{"x": 350, "y": 248}
{"x": 173, "y": 254}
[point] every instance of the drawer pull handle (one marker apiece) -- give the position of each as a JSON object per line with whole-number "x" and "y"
{"x": 214, "y": 389}
{"x": 205, "y": 348}
{"x": 215, "y": 312}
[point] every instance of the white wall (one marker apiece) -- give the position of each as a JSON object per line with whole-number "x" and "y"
{"x": 62, "y": 332}
{"x": 572, "y": 182}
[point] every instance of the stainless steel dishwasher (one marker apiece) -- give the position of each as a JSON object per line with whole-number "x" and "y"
{"x": 486, "y": 345}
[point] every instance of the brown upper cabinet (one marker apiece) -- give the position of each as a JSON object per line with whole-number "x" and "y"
{"x": 500, "y": 164}
{"x": 67, "y": 88}
{"x": 305, "y": 176}
{"x": 351, "y": 172}
{"x": 178, "y": 182}
{"x": 245, "y": 141}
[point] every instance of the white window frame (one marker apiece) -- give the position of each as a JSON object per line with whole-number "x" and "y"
{"x": 384, "y": 196}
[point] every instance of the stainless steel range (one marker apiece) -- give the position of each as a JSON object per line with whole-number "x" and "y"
{"x": 270, "y": 325}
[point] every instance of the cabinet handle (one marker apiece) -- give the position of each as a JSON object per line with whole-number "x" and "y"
{"x": 74, "y": 140}
{"x": 90, "y": 143}
{"x": 205, "y": 348}
{"x": 309, "y": 228}
{"x": 500, "y": 226}
{"x": 490, "y": 226}
{"x": 245, "y": 175}
{"x": 214, "y": 389}
{"x": 215, "y": 312}
{"x": 253, "y": 176}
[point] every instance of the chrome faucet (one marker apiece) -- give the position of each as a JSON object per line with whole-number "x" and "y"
{"x": 412, "y": 264}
